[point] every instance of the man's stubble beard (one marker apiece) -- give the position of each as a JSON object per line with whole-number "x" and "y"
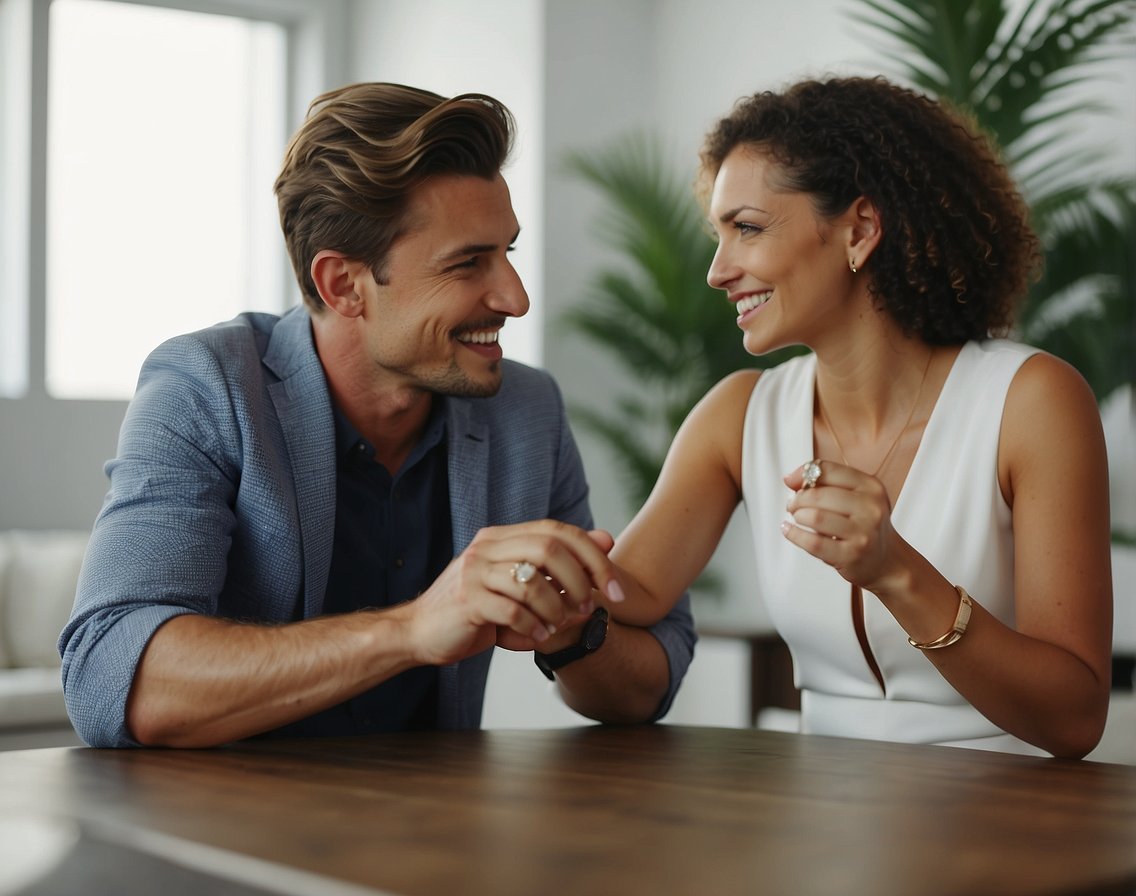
{"x": 456, "y": 383}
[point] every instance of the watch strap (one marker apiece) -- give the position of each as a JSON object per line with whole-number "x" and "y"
{"x": 548, "y": 663}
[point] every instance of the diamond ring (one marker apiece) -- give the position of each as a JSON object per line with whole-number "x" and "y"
{"x": 811, "y": 474}
{"x": 523, "y": 571}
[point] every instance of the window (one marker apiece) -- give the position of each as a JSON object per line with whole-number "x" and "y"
{"x": 156, "y": 132}
{"x": 165, "y": 130}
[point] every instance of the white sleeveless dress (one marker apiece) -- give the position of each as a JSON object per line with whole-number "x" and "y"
{"x": 950, "y": 509}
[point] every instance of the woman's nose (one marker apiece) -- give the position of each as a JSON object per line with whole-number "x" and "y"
{"x": 722, "y": 271}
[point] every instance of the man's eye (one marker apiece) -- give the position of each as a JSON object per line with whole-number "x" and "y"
{"x": 469, "y": 263}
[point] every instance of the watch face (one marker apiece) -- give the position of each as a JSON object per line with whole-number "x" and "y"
{"x": 595, "y": 630}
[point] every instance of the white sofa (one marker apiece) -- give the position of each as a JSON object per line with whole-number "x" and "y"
{"x": 38, "y": 574}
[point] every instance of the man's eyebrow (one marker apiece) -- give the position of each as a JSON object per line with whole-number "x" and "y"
{"x": 475, "y": 249}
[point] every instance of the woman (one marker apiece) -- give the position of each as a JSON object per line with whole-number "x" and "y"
{"x": 929, "y": 505}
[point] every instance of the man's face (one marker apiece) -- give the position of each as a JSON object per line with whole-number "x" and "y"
{"x": 450, "y": 286}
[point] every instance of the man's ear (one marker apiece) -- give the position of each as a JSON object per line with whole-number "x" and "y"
{"x": 865, "y": 231}
{"x": 334, "y": 275}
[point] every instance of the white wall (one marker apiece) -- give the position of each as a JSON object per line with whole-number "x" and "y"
{"x": 708, "y": 57}
{"x": 598, "y": 87}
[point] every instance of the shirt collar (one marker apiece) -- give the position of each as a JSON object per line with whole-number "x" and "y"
{"x": 349, "y": 443}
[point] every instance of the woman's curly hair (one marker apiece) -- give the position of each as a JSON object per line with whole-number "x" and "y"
{"x": 957, "y": 252}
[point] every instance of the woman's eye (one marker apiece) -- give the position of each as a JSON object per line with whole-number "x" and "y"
{"x": 747, "y": 229}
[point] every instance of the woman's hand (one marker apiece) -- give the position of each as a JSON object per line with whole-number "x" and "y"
{"x": 513, "y": 585}
{"x": 844, "y": 520}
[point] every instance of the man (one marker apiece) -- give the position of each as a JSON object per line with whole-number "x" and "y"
{"x": 321, "y": 524}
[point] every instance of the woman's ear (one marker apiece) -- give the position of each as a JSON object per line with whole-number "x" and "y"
{"x": 334, "y": 275}
{"x": 864, "y": 232}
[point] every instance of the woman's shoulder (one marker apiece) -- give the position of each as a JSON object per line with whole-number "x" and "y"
{"x": 1031, "y": 371}
{"x": 1044, "y": 383}
{"x": 1000, "y": 350}
{"x": 740, "y": 382}
{"x": 725, "y": 408}
{"x": 984, "y": 371}
{"x": 1048, "y": 399}
{"x": 724, "y": 403}
{"x": 743, "y": 382}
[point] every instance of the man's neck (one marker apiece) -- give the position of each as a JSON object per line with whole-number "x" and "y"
{"x": 393, "y": 424}
{"x": 391, "y": 417}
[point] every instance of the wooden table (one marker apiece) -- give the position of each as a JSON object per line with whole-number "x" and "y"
{"x": 653, "y": 810}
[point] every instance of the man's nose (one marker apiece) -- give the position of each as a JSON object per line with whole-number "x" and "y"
{"x": 509, "y": 295}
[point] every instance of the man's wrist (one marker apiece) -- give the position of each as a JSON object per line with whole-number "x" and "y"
{"x": 565, "y": 636}
{"x": 591, "y": 637}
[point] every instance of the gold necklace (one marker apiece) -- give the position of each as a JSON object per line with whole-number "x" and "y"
{"x": 898, "y": 435}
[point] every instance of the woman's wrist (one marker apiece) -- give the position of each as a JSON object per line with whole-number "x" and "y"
{"x": 899, "y": 583}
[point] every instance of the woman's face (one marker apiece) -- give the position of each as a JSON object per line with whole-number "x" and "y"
{"x": 784, "y": 267}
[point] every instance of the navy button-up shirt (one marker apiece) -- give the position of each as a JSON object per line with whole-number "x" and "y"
{"x": 392, "y": 539}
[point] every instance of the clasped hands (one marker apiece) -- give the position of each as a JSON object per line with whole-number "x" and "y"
{"x": 488, "y": 594}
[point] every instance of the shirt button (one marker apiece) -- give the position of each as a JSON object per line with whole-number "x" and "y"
{"x": 399, "y": 562}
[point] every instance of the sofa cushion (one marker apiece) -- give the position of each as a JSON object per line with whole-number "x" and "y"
{"x": 38, "y": 591}
{"x": 4, "y": 659}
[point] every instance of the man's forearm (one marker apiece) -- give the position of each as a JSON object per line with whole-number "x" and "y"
{"x": 204, "y": 681}
{"x": 621, "y": 683}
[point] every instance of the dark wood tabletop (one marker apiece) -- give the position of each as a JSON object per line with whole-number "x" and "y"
{"x": 594, "y": 810}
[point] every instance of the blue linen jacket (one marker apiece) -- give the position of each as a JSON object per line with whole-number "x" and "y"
{"x": 222, "y": 502}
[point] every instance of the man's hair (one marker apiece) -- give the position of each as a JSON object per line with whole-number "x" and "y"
{"x": 350, "y": 169}
{"x": 957, "y": 252}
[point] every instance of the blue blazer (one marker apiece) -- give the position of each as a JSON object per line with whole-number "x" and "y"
{"x": 222, "y": 502}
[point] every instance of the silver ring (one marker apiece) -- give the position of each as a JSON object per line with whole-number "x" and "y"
{"x": 523, "y": 571}
{"x": 811, "y": 474}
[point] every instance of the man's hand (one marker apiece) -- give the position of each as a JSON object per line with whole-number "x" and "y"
{"x": 479, "y": 600}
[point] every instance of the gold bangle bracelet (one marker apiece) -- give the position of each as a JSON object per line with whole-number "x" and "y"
{"x": 956, "y": 632}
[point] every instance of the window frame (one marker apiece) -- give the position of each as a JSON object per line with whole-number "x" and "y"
{"x": 317, "y": 60}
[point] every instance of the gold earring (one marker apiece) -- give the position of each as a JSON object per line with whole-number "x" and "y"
{"x": 852, "y": 265}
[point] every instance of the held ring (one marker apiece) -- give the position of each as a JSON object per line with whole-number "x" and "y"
{"x": 523, "y": 571}
{"x": 811, "y": 474}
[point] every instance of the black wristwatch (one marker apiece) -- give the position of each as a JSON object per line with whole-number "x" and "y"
{"x": 592, "y": 638}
